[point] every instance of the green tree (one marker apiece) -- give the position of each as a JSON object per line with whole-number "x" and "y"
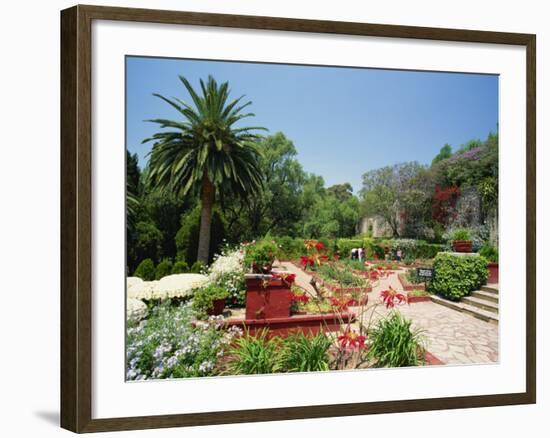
{"x": 444, "y": 153}
{"x": 206, "y": 151}
{"x": 397, "y": 193}
{"x": 278, "y": 208}
{"x": 147, "y": 243}
{"x": 165, "y": 210}
{"x": 342, "y": 192}
{"x": 187, "y": 236}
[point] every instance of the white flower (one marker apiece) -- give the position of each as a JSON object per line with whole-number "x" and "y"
{"x": 171, "y": 286}
{"x": 226, "y": 264}
{"x": 135, "y": 310}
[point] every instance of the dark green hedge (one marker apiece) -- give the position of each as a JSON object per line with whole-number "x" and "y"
{"x": 457, "y": 276}
{"x": 145, "y": 270}
{"x": 163, "y": 269}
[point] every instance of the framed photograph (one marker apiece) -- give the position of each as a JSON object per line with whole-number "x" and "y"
{"x": 269, "y": 218}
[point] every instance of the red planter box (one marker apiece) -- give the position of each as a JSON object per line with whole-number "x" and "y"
{"x": 267, "y": 297}
{"x": 407, "y": 285}
{"x": 417, "y": 299}
{"x": 307, "y": 324}
{"x": 493, "y": 272}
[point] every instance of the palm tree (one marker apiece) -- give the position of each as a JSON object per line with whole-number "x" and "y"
{"x": 205, "y": 152}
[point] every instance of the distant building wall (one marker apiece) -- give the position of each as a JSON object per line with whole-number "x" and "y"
{"x": 378, "y": 225}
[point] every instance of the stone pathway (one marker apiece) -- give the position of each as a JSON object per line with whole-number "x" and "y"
{"x": 452, "y": 336}
{"x": 302, "y": 279}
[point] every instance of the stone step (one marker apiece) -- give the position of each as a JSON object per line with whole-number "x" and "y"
{"x": 481, "y": 303}
{"x": 487, "y": 296}
{"x": 493, "y": 289}
{"x": 468, "y": 309}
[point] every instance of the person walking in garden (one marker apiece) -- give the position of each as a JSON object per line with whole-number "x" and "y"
{"x": 399, "y": 254}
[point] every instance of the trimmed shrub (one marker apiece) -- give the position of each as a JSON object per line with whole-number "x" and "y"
{"x": 163, "y": 269}
{"x": 290, "y": 248}
{"x": 428, "y": 250}
{"x": 457, "y": 276}
{"x": 146, "y": 270}
{"x": 180, "y": 268}
{"x": 147, "y": 242}
{"x": 197, "y": 267}
{"x": 344, "y": 246}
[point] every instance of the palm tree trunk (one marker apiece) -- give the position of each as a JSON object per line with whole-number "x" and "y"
{"x": 207, "y": 203}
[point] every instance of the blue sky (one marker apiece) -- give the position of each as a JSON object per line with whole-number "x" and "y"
{"x": 343, "y": 121}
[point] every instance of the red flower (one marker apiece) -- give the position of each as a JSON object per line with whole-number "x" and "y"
{"x": 306, "y": 261}
{"x": 352, "y": 340}
{"x": 391, "y": 296}
{"x": 287, "y": 278}
{"x": 300, "y": 298}
{"x": 342, "y": 303}
{"x": 319, "y": 246}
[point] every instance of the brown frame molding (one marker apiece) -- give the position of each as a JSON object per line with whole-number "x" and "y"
{"x": 76, "y": 174}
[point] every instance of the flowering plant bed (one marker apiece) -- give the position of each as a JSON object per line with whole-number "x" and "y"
{"x": 408, "y": 285}
{"x": 338, "y": 289}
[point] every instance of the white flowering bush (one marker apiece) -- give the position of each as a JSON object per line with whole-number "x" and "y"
{"x": 168, "y": 345}
{"x": 135, "y": 309}
{"x": 227, "y": 271}
{"x": 171, "y": 286}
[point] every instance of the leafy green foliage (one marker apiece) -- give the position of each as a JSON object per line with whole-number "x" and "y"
{"x": 461, "y": 234}
{"x": 297, "y": 353}
{"x": 346, "y": 245}
{"x": 392, "y": 190}
{"x": 457, "y": 276}
{"x": 394, "y": 343}
{"x": 413, "y": 277}
{"x": 290, "y": 248}
{"x": 255, "y": 355}
{"x": 261, "y": 255}
{"x": 489, "y": 252}
{"x": 418, "y": 293}
{"x": 180, "y": 267}
{"x": 148, "y": 243}
{"x": 146, "y": 270}
{"x": 444, "y": 153}
{"x": 305, "y": 353}
{"x": 197, "y": 267}
{"x": 343, "y": 277}
{"x": 204, "y": 297}
{"x": 187, "y": 237}
{"x": 163, "y": 269}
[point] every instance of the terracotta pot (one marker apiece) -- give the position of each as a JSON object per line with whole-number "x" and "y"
{"x": 493, "y": 272}
{"x": 462, "y": 245}
{"x": 217, "y": 307}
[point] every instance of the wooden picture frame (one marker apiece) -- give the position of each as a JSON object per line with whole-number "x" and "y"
{"x": 76, "y": 217}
